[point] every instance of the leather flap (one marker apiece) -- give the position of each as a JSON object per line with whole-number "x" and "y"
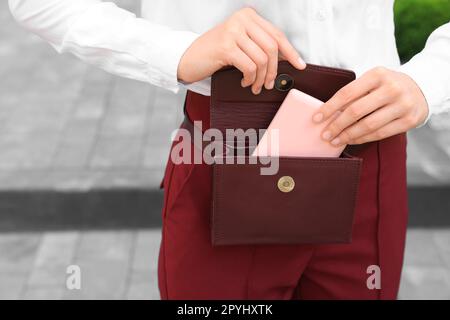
{"x": 250, "y": 208}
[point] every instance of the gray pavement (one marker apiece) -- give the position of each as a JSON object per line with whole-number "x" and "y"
{"x": 113, "y": 264}
{"x": 65, "y": 125}
{"x": 121, "y": 264}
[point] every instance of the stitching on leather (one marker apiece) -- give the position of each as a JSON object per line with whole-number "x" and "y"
{"x": 347, "y": 73}
{"x": 356, "y": 183}
{"x": 217, "y": 194}
{"x": 331, "y": 70}
{"x": 225, "y": 103}
{"x": 310, "y": 66}
{"x": 310, "y": 162}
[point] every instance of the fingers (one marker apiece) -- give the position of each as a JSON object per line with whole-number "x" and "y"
{"x": 284, "y": 46}
{"x": 271, "y": 42}
{"x": 270, "y": 48}
{"x": 246, "y": 33}
{"x": 370, "y": 125}
{"x": 353, "y": 112}
{"x": 259, "y": 58}
{"x": 354, "y": 90}
{"x": 246, "y": 65}
{"x": 376, "y": 106}
{"x": 392, "y": 128}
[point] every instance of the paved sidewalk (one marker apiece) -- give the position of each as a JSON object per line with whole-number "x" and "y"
{"x": 114, "y": 264}
{"x": 65, "y": 125}
{"x": 123, "y": 265}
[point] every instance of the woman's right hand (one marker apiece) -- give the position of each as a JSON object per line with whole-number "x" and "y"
{"x": 245, "y": 40}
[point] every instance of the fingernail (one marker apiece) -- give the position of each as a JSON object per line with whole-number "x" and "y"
{"x": 270, "y": 85}
{"x": 336, "y": 141}
{"x": 326, "y": 135}
{"x": 318, "y": 117}
{"x": 302, "y": 62}
{"x": 256, "y": 91}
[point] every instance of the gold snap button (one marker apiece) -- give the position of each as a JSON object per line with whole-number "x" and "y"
{"x": 284, "y": 82}
{"x": 286, "y": 184}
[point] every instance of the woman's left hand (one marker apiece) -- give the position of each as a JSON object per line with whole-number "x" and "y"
{"x": 379, "y": 104}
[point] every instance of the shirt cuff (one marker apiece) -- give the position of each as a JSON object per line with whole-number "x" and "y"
{"x": 422, "y": 73}
{"x": 179, "y": 41}
{"x": 202, "y": 87}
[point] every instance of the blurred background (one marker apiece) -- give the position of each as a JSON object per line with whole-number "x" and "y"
{"x": 82, "y": 154}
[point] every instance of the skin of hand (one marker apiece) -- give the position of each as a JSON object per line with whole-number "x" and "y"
{"x": 379, "y": 104}
{"x": 245, "y": 40}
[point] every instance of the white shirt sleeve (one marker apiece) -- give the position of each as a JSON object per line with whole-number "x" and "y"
{"x": 430, "y": 69}
{"x": 107, "y": 36}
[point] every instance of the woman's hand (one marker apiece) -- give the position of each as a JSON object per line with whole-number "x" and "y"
{"x": 380, "y": 104}
{"x": 246, "y": 41}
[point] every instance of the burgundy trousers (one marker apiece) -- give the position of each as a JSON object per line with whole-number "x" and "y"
{"x": 191, "y": 268}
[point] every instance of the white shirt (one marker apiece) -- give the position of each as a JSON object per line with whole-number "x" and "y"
{"x": 352, "y": 34}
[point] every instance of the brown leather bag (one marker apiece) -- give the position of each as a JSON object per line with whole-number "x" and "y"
{"x": 309, "y": 200}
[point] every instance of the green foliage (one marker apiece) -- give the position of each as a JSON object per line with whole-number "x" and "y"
{"x": 415, "y": 20}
